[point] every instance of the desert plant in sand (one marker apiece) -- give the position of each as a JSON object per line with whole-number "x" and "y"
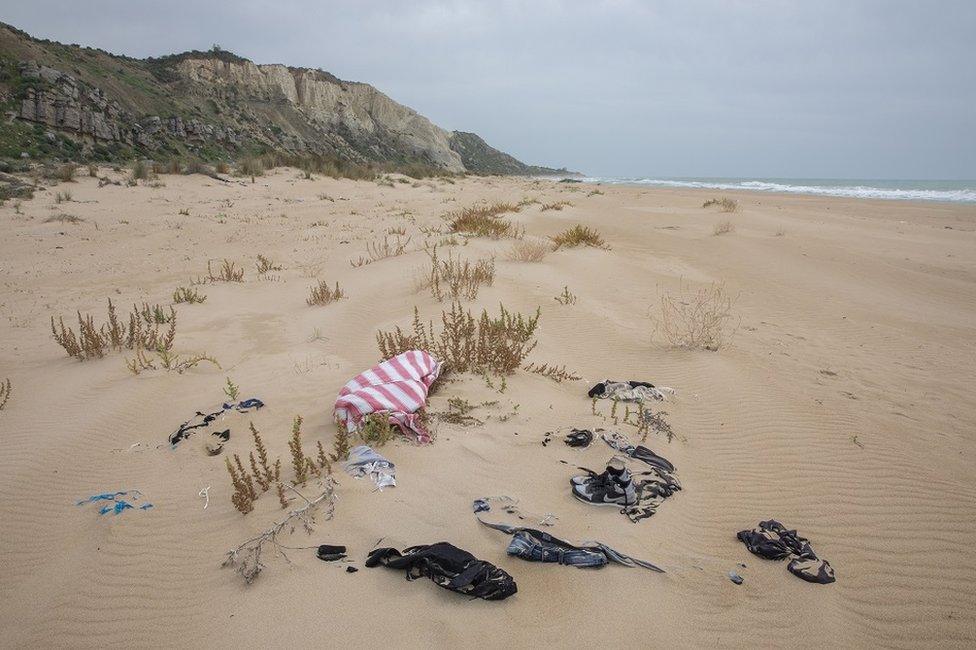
{"x": 566, "y": 297}
{"x": 724, "y": 204}
{"x": 484, "y": 345}
{"x": 380, "y": 250}
{"x": 578, "y": 235}
{"x": 557, "y": 206}
{"x": 228, "y": 272}
{"x": 484, "y": 221}
{"x": 265, "y": 264}
{"x": 303, "y": 465}
{"x": 167, "y": 360}
{"x": 454, "y": 278}
{"x": 64, "y": 218}
{"x": 340, "y": 445}
{"x": 4, "y": 393}
{"x": 556, "y": 373}
{"x": 528, "y": 250}
{"x": 91, "y": 342}
{"x": 252, "y": 167}
{"x": 723, "y": 228}
{"x": 140, "y": 170}
{"x": 376, "y": 430}
{"x": 696, "y": 319}
{"x": 322, "y": 294}
{"x": 188, "y": 295}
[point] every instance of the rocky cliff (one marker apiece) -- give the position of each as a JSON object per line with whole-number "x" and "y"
{"x": 70, "y": 101}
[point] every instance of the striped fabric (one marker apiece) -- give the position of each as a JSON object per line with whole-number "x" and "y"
{"x": 397, "y": 386}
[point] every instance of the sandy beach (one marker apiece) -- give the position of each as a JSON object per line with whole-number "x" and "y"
{"x": 841, "y": 405}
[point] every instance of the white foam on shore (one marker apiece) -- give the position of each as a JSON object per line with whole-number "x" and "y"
{"x": 956, "y": 195}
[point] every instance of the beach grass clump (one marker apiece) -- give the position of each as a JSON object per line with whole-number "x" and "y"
{"x": 64, "y": 218}
{"x": 566, "y": 297}
{"x": 322, "y": 294}
{"x": 228, "y": 272}
{"x": 489, "y": 344}
{"x": 66, "y": 172}
{"x": 557, "y": 206}
{"x": 483, "y": 221}
{"x": 253, "y": 166}
{"x": 4, "y": 393}
{"x": 188, "y": 295}
{"x": 266, "y": 264}
{"x": 699, "y": 319}
{"x": 578, "y": 235}
{"x": 723, "y": 227}
{"x": 724, "y": 204}
{"x": 381, "y": 250}
{"x": 93, "y": 342}
{"x": 140, "y": 170}
{"x": 528, "y": 250}
{"x": 454, "y": 278}
{"x": 556, "y": 373}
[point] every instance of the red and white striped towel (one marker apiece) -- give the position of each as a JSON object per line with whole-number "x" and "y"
{"x": 397, "y": 386}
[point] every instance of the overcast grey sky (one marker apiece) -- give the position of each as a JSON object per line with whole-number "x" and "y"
{"x": 686, "y": 88}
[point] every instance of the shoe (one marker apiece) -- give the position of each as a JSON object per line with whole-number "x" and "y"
{"x": 614, "y": 487}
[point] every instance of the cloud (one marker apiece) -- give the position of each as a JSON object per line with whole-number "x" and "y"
{"x": 707, "y": 88}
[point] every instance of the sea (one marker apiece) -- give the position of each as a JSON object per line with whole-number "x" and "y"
{"x": 907, "y": 190}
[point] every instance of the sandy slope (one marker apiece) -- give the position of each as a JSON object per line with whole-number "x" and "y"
{"x": 859, "y": 320}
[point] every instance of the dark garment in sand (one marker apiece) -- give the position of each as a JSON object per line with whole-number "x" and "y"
{"x": 772, "y": 540}
{"x": 449, "y": 567}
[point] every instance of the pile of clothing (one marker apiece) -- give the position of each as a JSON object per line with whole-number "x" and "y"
{"x": 629, "y": 391}
{"x": 773, "y": 541}
{"x": 449, "y": 567}
{"x": 206, "y": 420}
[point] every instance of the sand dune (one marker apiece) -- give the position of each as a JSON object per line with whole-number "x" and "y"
{"x": 842, "y": 406}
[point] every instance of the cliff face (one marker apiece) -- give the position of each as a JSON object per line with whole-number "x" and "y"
{"x": 216, "y": 104}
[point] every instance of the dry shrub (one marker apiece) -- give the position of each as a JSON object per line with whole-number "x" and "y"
{"x": 251, "y": 167}
{"x": 64, "y": 218}
{"x": 167, "y": 361}
{"x": 452, "y": 278}
{"x": 222, "y": 168}
{"x": 557, "y": 206}
{"x": 188, "y": 295}
{"x": 140, "y": 170}
{"x": 558, "y": 374}
{"x": 303, "y": 465}
{"x": 323, "y": 294}
{"x": 93, "y": 170}
{"x": 62, "y": 197}
{"x": 566, "y": 297}
{"x": 578, "y": 235}
{"x": 228, "y": 272}
{"x": 699, "y": 319}
{"x": 4, "y": 393}
{"x": 724, "y": 204}
{"x": 265, "y": 264}
{"x": 66, "y": 172}
{"x": 483, "y": 221}
{"x": 528, "y": 250}
{"x": 173, "y": 166}
{"x": 93, "y": 342}
{"x": 723, "y": 228}
{"x": 377, "y": 251}
{"x": 399, "y": 231}
{"x": 488, "y": 344}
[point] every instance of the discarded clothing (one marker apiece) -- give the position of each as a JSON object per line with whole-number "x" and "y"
{"x": 772, "y": 541}
{"x": 637, "y": 494}
{"x": 579, "y": 438}
{"x": 329, "y": 553}
{"x": 449, "y": 567}
{"x": 629, "y": 391}
{"x": 117, "y": 505}
{"x": 363, "y": 461}
{"x": 510, "y": 506}
{"x": 538, "y": 546}
{"x": 638, "y": 452}
{"x": 201, "y": 420}
{"x": 397, "y": 387}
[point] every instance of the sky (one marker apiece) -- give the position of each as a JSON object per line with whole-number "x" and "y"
{"x": 827, "y": 89}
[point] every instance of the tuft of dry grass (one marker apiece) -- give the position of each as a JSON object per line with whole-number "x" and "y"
{"x": 453, "y": 278}
{"x": 724, "y": 204}
{"x": 376, "y": 251}
{"x": 4, "y": 393}
{"x": 701, "y": 319}
{"x": 566, "y": 297}
{"x": 558, "y": 374}
{"x": 578, "y": 235}
{"x": 91, "y": 342}
{"x": 66, "y": 172}
{"x": 140, "y": 170}
{"x": 252, "y": 167}
{"x": 487, "y": 344}
{"x": 322, "y": 294}
{"x": 265, "y": 264}
{"x": 528, "y": 250}
{"x": 484, "y": 221}
{"x": 64, "y": 218}
{"x": 723, "y": 228}
{"x": 557, "y": 206}
{"x": 188, "y": 295}
{"x": 228, "y": 272}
